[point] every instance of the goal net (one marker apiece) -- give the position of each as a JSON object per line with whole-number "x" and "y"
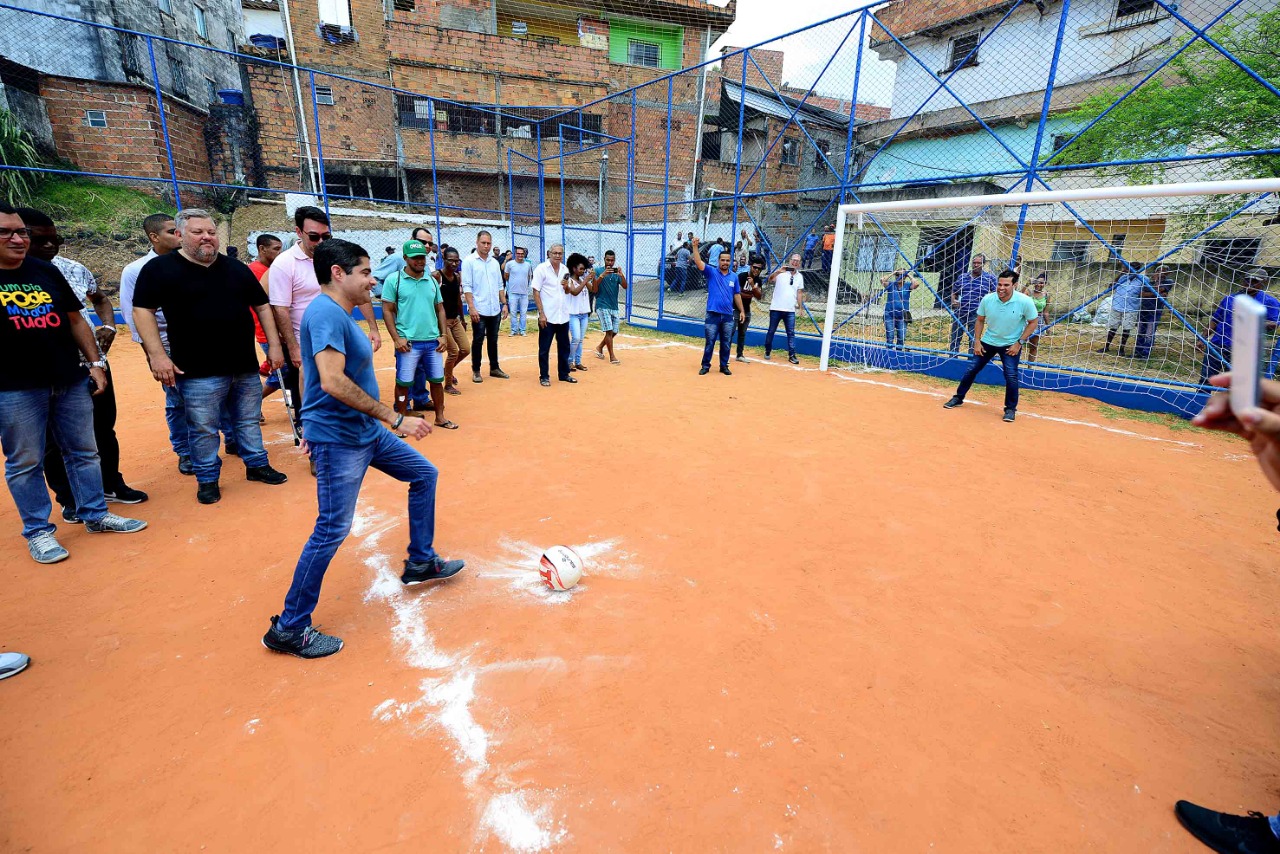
{"x": 1130, "y": 281}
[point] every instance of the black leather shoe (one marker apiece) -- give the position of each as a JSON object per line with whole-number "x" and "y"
{"x": 704, "y": 371}
{"x": 208, "y": 493}
{"x": 265, "y": 474}
{"x": 185, "y": 466}
{"x": 726, "y": 372}
{"x": 1226, "y": 833}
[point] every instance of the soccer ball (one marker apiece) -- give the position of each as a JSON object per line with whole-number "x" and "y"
{"x": 561, "y": 567}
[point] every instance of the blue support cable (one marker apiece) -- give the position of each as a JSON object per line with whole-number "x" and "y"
{"x": 666, "y": 197}
{"x": 164, "y": 125}
{"x": 435, "y": 184}
{"x": 737, "y": 168}
{"x": 542, "y": 200}
{"x": 315, "y": 114}
{"x": 1044, "y": 118}
{"x": 853, "y": 107}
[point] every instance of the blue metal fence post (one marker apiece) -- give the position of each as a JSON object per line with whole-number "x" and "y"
{"x": 631, "y": 198}
{"x": 1044, "y": 118}
{"x": 315, "y": 114}
{"x": 435, "y": 187}
{"x": 737, "y": 167}
{"x": 542, "y": 199}
{"x": 560, "y": 160}
{"x": 164, "y": 125}
{"x": 853, "y": 108}
{"x": 666, "y": 197}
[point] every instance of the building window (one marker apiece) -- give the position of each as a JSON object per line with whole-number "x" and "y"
{"x": 790, "y": 151}
{"x": 711, "y": 145}
{"x": 1117, "y": 241}
{"x": 1073, "y": 251}
{"x": 964, "y": 51}
{"x": 165, "y": 6}
{"x": 178, "y": 77}
{"x": 95, "y": 118}
{"x": 1125, "y": 8}
{"x": 335, "y": 12}
{"x": 233, "y": 42}
{"x": 202, "y": 23}
{"x": 130, "y": 62}
{"x": 642, "y": 53}
{"x": 324, "y": 95}
{"x": 1230, "y": 251}
{"x": 568, "y": 128}
{"x": 213, "y": 90}
{"x": 403, "y": 5}
{"x": 413, "y": 112}
{"x": 876, "y": 253}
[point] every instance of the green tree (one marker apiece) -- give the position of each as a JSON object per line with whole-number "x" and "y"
{"x": 1200, "y": 102}
{"x": 16, "y": 149}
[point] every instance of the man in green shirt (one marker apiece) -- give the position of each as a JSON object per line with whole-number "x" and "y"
{"x": 413, "y": 311}
{"x": 609, "y": 279}
{"x": 1006, "y": 320}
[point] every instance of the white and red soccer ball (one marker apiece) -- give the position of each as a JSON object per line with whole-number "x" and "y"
{"x": 561, "y": 567}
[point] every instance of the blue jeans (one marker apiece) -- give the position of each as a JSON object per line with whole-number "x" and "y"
{"x": 66, "y": 412}
{"x": 895, "y": 329}
{"x": 717, "y": 325}
{"x": 1010, "y": 365}
{"x": 682, "y": 279}
{"x": 967, "y": 318}
{"x": 519, "y": 307}
{"x": 788, "y": 319}
{"x": 577, "y": 331}
{"x": 340, "y": 470}
{"x": 205, "y": 399}
{"x": 175, "y": 415}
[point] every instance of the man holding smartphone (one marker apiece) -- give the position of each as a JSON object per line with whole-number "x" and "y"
{"x": 47, "y": 388}
{"x": 609, "y": 279}
{"x": 788, "y": 297}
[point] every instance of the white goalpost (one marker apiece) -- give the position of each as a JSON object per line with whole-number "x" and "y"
{"x": 1088, "y": 255}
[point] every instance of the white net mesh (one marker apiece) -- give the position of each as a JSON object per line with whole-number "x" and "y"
{"x": 1131, "y": 291}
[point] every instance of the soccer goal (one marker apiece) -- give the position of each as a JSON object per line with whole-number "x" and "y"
{"x": 1129, "y": 281}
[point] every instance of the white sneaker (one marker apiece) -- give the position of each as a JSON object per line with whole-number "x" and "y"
{"x": 12, "y": 663}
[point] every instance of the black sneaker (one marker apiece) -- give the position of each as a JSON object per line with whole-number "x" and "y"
{"x": 208, "y": 493}
{"x": 231, "y": 449}
{"x": 69, "y": 515}
{"x": 703, "y": 372}
{"x": 793, "y": 360}
{"x": 124, "y": 494}
{"x": 1009, "y": 414}
{"x": 265, "y": 474}
{"x": 430, "y": 570}
{"x": 1226, "y": 833}
{"x": 304, "y": 643}
{"x": 726, "y": 371}
{"x": 955, "y": 401}
{"x": 185, "y": 467}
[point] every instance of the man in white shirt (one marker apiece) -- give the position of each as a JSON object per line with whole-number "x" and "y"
{"x": 291, "y": 286}
{"x": 486, "y": 297}
{"x": 549, "y": 292}
{"x": 518, "y": 275}
{"x": 788, "y": 297}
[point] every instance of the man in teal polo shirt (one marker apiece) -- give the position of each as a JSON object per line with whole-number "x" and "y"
{"x": 413, "y": 312}
{"x": 1005, "y": 322}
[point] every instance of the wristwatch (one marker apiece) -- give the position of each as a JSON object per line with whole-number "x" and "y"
{"x": 101, "y": 363}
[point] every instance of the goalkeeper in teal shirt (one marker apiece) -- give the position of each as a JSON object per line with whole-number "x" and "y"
{"x": 1006, "y": 321}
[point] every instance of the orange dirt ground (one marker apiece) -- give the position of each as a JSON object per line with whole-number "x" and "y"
{"x": 821, "y": 615}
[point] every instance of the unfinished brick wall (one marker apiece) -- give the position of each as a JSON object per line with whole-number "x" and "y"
{"x": 133, "y": 142}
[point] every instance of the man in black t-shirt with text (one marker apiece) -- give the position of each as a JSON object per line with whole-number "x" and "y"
{"x": 214, "y": 362}
{"x": 43, "y": 387}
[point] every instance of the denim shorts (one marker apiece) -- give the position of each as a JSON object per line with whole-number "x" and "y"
{"x": 610, "y": 319}
{"x": 419, "y": 352}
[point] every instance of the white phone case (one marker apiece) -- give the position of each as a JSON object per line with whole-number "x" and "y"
{"x": 1248, "y": 326}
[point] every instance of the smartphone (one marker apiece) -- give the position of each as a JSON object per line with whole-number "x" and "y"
{"x": 1248, "y": 328}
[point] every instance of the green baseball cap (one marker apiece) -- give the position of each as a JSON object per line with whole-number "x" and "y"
{"x": 414, "y": 249}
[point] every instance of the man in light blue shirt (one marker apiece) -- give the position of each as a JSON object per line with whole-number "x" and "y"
{"x": 1005, "y": 321}
{"x": 518, "y": 274}
{"x": 1126, "y": 305}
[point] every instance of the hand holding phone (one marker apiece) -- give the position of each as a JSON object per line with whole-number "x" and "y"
{"x": 1248, "y": 326}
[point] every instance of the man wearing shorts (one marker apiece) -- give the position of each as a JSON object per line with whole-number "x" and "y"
{"x": 1126, "y": 305}
{"x": 413, "y": 311}
{"x": 340, "y": 421}
{"x": 517, "y": 274}
{"x": 608, "y": 279}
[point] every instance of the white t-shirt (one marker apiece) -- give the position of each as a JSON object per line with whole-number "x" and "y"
{"x": 785, "y": 288}
{"x": 580, "y": 303}
{"x": 555, "y": 302}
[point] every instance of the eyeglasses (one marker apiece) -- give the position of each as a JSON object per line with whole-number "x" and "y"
{"x": 20, "y": 233}
{"x": 315, "y": 237}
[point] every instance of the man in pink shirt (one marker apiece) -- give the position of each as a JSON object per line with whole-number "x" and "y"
{"x": 291, "y": 286}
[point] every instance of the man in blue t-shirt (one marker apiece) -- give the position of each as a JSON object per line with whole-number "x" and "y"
{"x": 967, "y": 292}
{"x": 1220, "y": 327}
{"x": 724, "y": 302}
{"x": 1126, "y": 306}
{"x": 1005, "y": 321}
{"x": 340, "y": 415}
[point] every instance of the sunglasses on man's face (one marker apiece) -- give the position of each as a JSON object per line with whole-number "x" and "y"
{"x": 316, "y": 237}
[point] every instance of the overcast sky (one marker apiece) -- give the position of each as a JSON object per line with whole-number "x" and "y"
{"x": 807, "y": 52}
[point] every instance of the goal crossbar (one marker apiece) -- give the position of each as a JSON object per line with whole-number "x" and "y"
{"x": 1029, "y": 197}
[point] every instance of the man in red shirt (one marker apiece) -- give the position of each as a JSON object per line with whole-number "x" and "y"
{"x": 269, "y": 246}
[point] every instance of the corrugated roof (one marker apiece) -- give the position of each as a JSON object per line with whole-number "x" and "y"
{"x": 764, "y": 101}
{"x": 261, "y": 5}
